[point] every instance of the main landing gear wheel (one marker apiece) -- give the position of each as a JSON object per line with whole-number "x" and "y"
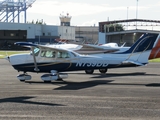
{"x": 103, "y": 70}
{"x": 47, "y": 81}
{"x": 22, "y": 80}
{"x": 89, "y": 71}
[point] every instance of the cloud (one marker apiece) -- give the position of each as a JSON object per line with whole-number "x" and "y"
{"x": 55, "y": 8}
{"x": 50, "y": 10}
{"x": 90, "y": 23}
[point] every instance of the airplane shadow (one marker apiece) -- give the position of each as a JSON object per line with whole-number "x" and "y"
{"x": 153, "y": 85}
{"x": 123, "y": 74}
{"x": 81, "y": 85}
{"x": 25, "y": 100}
{"x": 67, "y": 85}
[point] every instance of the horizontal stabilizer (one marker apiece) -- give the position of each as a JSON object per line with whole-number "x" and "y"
{"x": 133, "y": 62}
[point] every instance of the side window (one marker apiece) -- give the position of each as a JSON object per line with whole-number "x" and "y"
{"x": 53, "y": 54}
{"x": 63, "y": 55}
{"x": 59, "y": 54}
{"x": 43, "y": 53}
{"x": 66, "y": 55}
{"x": 48, "y": 53}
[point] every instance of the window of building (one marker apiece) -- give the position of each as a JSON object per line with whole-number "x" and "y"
{"x": 12, "y": 34}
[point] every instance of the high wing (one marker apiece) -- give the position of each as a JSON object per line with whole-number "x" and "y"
{"x": 66, "y": 46}
{"x": 26, "y": 44}
{"x": 101, "y": 47}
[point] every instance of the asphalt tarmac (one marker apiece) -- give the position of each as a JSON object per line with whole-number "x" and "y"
{"x": 121, "y": 94}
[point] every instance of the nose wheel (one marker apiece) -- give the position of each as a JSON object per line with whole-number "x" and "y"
{"x": 23, "y": 77}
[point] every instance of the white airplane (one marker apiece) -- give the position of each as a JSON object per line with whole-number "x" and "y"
{"x": 114, "y": 45}
{"x": 104, "y": 46}
{"x": 66, "y": 46}
{"x": 53, "y": 61}
{"x": 108, "y": 47}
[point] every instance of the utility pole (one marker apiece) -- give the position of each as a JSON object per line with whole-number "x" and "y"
{"x": 136, "y": 13}
{"x": 127, "y": 17}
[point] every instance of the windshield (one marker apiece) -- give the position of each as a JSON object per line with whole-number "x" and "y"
{"x": 36, "y": 51}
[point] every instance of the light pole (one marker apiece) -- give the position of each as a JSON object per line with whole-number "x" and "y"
{"x": 136, "y": 13}
{"x": 127, "y": 17}
{"x": 39, "y": 35}
{"x": 39, "y": 38}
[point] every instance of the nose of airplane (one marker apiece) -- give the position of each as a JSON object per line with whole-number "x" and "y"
{"x": 17, "y": 59}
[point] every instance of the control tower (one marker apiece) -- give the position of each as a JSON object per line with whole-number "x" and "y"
{"x": 65, "y": 20}
{"x": 12, "y": 9}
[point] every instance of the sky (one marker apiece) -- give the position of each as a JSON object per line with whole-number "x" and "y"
{"x": 90, "y": 12}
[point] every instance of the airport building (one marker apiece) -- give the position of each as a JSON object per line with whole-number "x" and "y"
{"x": 35, "y": 33}
{"x": 42, "y": 34}
{"x": 86, "y": 34}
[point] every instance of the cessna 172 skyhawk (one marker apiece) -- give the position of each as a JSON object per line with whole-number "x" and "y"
{"x": 51, "y": 60}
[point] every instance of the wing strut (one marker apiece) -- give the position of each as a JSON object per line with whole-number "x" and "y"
{"x": 34, "y": 58}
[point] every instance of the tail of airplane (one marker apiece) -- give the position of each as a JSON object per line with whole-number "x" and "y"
{"x": 139, "y": 52}
{"x": 155, "y": 53}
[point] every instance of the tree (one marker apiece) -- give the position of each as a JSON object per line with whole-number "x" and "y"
{"x": 114, "y": 27}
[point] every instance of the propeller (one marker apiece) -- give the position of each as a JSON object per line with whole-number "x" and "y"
{"x": 7, "y": 56}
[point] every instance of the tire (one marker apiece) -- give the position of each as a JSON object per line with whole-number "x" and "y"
{"x": 47, "y": 81}
{"x": 103, "y": 70}
{"x": 89, "y": 71}
{"x": 22, "y": 80}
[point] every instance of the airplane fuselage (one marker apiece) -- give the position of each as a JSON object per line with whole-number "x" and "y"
{"x": 24, "y": 62}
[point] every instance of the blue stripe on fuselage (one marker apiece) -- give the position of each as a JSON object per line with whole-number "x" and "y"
{"x": 61, "y": 67}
